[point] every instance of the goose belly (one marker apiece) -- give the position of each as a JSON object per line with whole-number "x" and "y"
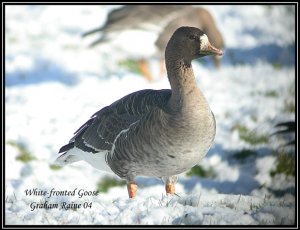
{"x": 173, "y": 161}
{"x": 162, "y": 146}
{"x": 156, "y": 156}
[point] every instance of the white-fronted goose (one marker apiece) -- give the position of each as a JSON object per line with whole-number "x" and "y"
{"x": 135, "y": 17}
{"x": 159, "y": 133}
{"x": 169, "y": 18}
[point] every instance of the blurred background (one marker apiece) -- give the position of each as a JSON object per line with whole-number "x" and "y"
{"x": 57, "y": 76}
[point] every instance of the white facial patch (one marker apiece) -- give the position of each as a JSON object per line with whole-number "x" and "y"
{"x": 204, "y": 42}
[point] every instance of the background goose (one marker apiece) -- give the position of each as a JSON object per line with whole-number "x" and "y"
{"x": 135, "y": 17}
{"x": 168, "y": 17}
{"x": 194, "y": 17}
{"x": 158, "y": 133}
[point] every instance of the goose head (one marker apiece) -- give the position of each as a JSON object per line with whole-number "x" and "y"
{"x": 189, "y": 43}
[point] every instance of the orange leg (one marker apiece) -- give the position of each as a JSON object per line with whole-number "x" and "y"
{"x": 144, "y": 68}
{"x": 170, "y": 188}
{"x": 132, "y": 189}
{"x": 170, "y": 184}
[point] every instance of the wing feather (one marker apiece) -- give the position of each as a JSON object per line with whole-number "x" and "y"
{"x": 100, "y": 131}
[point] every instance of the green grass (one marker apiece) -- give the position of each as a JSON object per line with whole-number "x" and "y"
{"x": 271, "y": 93}
{"x": 277, "y": 65}
{"x": 244, "y": 154}
{"x": 200, "y": 171}
{"x": 55, "y": 167}
{"x": 24, "y": 154}
{"x": 285, "y": 163}
{"x": 289, "y": 106}
{"x": 250, "y": 136}
{"x": 108, "y": 182}
{"x": 131, "y": 65}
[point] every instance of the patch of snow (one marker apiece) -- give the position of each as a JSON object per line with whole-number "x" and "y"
{"x": 54, "y": 83}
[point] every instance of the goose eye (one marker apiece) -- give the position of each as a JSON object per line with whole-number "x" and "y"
{"x": 192, "y": 37}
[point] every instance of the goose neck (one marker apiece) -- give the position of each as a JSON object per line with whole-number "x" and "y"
{"x": 183, "y": 83}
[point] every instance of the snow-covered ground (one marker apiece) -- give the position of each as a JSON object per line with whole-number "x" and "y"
{"x": 54, "y": 83}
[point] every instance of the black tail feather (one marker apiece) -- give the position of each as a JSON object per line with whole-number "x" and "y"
{"x": 67, "y": 147}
